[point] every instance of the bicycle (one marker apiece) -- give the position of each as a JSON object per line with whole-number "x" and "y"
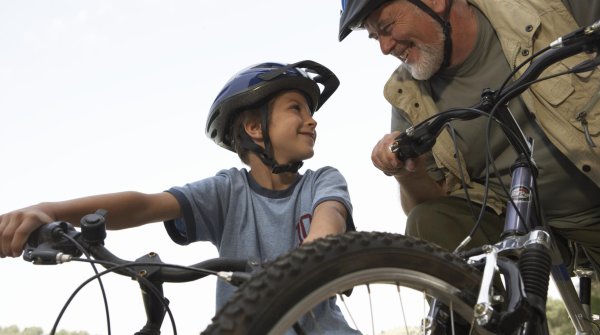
{"x": 459, "y": 294}
{"x": 59, "y": 242}
{"x": 460, "y": 291}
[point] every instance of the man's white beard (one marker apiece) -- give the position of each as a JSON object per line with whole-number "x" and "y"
{"x": 432, "y": 56}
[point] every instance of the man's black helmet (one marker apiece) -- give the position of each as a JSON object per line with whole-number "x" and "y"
{"x": 252, "y": 86}
{"x": 354, "y": 12}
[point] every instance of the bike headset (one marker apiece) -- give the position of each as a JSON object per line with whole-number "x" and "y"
{"x": 253, "y": 87}
{"x": 354, "y": 13}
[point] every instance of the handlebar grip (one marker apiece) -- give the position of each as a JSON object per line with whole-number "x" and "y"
{"x": 413, "y": 143}
{"x": 47, "y": 244}
{"x": 403, "y": 150}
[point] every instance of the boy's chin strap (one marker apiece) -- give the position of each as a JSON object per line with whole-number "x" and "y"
{"x": 248, "y": 144}
{"x": 290, "y": 167}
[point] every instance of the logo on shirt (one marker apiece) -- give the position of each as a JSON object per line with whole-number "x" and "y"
{"x": 303, "y": 226}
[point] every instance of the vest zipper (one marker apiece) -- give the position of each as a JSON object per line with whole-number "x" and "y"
{"x": 581, "y": 118}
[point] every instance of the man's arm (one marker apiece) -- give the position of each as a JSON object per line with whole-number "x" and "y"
{"x": 329, "y": 218}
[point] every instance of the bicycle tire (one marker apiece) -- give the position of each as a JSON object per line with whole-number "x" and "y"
{"x": 292, "y": 284}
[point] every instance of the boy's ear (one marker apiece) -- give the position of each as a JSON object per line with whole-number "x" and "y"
{"x": 254, "y": 129}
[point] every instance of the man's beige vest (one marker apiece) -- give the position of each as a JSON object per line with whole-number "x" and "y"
{"x": 558, "y": 104}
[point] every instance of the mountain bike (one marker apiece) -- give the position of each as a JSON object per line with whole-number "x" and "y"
{"x": 492, "y": 289}
{"x": 59, "y": 242}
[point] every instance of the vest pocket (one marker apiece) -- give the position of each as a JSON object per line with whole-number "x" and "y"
{"x": 579, "y": 107}
{"x": 556, "y": 90}
{"x": 565, "y": 99}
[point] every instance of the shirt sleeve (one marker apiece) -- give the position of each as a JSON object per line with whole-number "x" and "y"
{"x": 203, "y": 206}
{"x": 330, "y": 184}
{"x": 399, "y": 120}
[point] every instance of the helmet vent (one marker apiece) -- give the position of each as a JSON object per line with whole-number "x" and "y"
{"x": 214, "y": 116}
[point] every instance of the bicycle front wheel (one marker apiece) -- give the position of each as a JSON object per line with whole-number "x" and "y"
{"x": 382, "y": 283}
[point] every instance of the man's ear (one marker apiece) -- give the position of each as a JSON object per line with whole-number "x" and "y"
{"x": 254, "y": 129}
{"x": 438, "y": 6}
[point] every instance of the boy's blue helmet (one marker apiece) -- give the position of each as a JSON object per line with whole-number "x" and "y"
{"x": 254, "y": 85}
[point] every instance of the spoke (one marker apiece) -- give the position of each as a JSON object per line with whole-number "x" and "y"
{"x": 312, "y": 315}
{"x": 402, "y": 307}
{"x": 348, "y": 310}
{"x": 452, "y": 315}
{"x": 371, "y": 308}
{"x": 472, "y": 326}
{"x": 425, "y": 318}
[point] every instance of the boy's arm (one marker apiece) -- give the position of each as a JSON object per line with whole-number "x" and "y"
{"x": 124, "y": 210}
{"x": 329, "y": 218}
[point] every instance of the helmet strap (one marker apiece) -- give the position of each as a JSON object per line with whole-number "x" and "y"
{"x": 446, "y": 28}
{"x": 266, "y": 154}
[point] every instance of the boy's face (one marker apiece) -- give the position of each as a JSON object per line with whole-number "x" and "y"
{"x": 292, "y": 128}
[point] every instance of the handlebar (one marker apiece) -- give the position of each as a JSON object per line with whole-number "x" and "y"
{"x": 56, "y": 242}
{"x": 420, "y": 138}
{"x": 59, "y": 242}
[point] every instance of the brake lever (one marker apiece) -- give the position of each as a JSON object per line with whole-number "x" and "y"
{"x": 47, "y": 245}
{"x": 413, "y": 142}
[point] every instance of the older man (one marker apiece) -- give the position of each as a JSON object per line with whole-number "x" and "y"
{"x": 449, "y": 52}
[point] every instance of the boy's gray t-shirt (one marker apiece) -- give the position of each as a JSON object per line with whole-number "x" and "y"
{"x": 244, "y": 220}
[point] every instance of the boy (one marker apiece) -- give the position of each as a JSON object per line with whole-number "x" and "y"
{"x": 264, "y": 114}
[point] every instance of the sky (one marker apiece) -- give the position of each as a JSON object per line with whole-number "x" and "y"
{"x": 108, "y": 96}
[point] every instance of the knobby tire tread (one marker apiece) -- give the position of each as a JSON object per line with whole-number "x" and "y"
{"x": 258, "y": 303}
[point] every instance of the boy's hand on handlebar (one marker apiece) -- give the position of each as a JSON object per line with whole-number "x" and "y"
{"x": 387, "y": 161}
{"x": 16, "y": 226}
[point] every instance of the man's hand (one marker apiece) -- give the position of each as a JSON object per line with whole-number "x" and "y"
{"x": 415, "y": 183}
{"x": 387, "y": 161}
{"x": 16, "y": 226}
